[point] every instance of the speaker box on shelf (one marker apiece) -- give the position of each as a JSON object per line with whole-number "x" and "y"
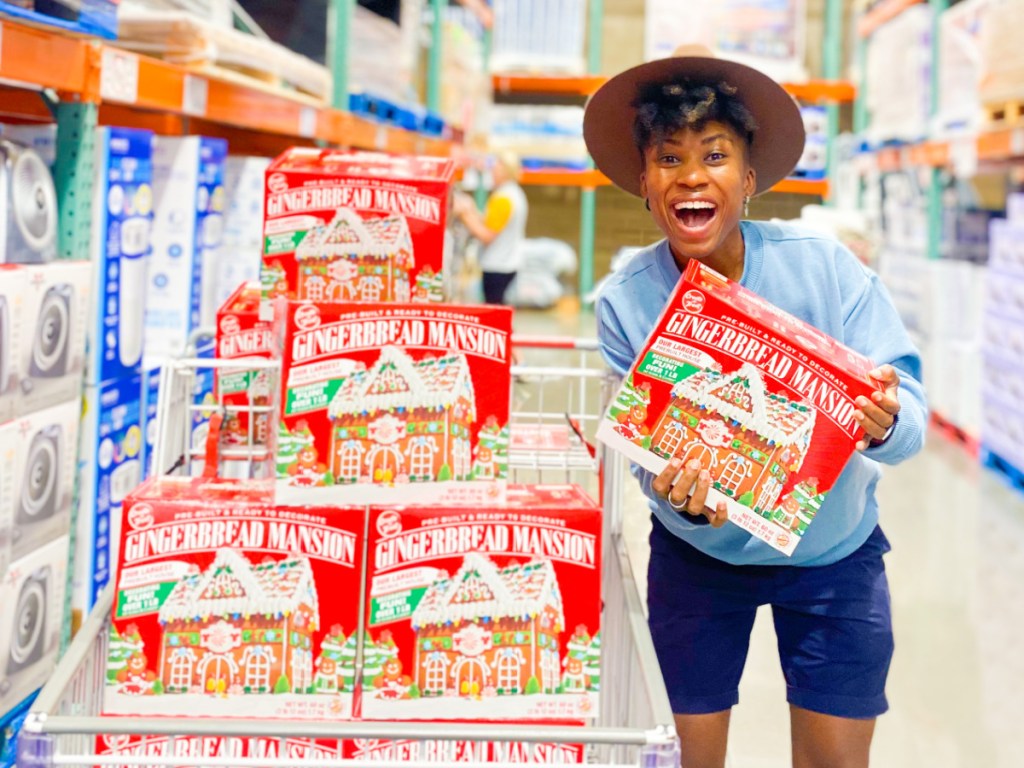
{"x": 12, "y": 297}
{"x": 31, "y": 612}
{"x": 37, "y": 471}
{"x": 53, "y": 342}
{"x": 29, "y": 226}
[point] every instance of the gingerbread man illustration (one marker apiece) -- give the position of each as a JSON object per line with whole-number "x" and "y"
{"x": 391, "y": 683}
{"x": 308, "y": 469}
{"x": 136, "y": 678}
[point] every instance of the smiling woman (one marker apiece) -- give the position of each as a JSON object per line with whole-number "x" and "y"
{"x": 696, "y": 137}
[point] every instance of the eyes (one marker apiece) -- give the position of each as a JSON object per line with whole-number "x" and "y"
{"x": 714, "y": 157}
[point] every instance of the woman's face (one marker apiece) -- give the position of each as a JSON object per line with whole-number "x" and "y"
{"x": 695, "y": 182}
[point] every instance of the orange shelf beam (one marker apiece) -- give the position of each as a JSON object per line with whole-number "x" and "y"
{"x": 831, "y": 91}
{"x": 802, "y": 187}
{"x": 42, "y": 59}
{"x": 547, "y": 85}
{"x": 594, "y": 178}
{"x": 881, "y": 13}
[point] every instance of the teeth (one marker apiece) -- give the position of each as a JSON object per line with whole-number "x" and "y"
{"x": 694, "y": 204}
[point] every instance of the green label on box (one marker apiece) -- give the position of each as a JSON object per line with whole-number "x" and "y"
{"x": 668, "y": 369}
{"x": 231, "y": 383}
{"x": 312, "y": 397}
{"x": 396, "y": 606}
{"x": 140, "y": 600}
{"x": 286, "y": 242}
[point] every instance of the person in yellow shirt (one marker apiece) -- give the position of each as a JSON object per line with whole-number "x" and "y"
{"x": 501, "y": 227}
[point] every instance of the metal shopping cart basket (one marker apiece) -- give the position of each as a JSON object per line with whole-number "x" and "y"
{"x": 560, "y": 390}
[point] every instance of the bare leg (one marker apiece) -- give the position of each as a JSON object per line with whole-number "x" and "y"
{"x": 703, "y": 739}
{"x": 824, "y": 741}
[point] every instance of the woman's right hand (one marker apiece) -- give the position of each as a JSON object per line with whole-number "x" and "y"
{"x": 675, "y": 484}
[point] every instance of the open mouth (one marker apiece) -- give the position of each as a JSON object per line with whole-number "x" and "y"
{"x": 695, "y": 214}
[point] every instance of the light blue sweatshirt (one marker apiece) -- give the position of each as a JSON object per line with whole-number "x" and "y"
{"x": 821, "y": 282}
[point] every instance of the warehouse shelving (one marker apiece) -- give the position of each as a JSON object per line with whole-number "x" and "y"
{"x": 593, "y": 178}
{"x": 136, "y": 90}
{"x": 881, "y": 13}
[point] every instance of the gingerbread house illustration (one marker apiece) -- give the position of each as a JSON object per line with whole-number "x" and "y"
{"x": 490, "y": 628}
{"x": 752, "y": 441}
{"x": 350, "y": 259}
{"x": 404, "y": 418}
{"x": 240, "y": 627}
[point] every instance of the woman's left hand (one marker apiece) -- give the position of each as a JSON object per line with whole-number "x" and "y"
{"x": 877, "y": 415}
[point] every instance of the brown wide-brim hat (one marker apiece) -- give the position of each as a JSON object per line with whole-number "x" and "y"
{"x": 608, "y": 121}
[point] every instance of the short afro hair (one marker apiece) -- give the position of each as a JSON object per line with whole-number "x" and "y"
{"x": 662, "y": 109}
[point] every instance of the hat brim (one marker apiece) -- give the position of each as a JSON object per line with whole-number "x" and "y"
{"x": 608, "y": 121}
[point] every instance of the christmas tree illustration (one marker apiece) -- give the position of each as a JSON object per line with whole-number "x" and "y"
{"x": 628, "y": 397}
{"x": 592, "y": 663}
{"x": 121, "y": 648}
{"x": 289, "y": 444}
{"x": 490, "y": 457}
{"x": 429, "y": 285}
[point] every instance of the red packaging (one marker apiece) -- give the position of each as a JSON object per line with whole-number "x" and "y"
{"x": 378, "y": 396}
{"x": 355, "y": 226}
{"x": 293, "y": 750}
{"x": 242, "y": 334}
{"x": 229, "y": 605}
{"x": 456, "y": 752}
{"x": 762, "y": 399}
{"x": 485, "y": 613}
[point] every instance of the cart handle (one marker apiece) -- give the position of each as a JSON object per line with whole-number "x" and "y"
{"x": 554, "y": 342}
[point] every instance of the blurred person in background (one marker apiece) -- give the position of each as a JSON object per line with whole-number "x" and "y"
{"x": 500, "y": 228}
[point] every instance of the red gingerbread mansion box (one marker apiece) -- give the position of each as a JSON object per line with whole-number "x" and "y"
{"x": 241, "y": 334}
{"x": 229, "y": 605}
{"x": 355, "y": 226}
{"x": 485, "y": 613}
{"x": 762, "y": 399}
{"x": 375, "y": 397}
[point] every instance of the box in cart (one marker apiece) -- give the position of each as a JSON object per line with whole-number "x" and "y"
{"x": 51, "y": 357}
{"x": 485, "y": 612}
{"x": 763, "y": 400}
{"x": 355, "y": 226}
{"x": 38, "y": 458}
{"x": 13, "y": 288}
{"x": 188, "y": 205}
{"x": 456, "y": 752}
{"x": 228, "y": 604}
{"x": 110, "y": 467}
{"x": 31, "y": 620}
{"x": 384, "y": 398}
{"x": 242, "y": 334}
{"x": 122, "y": 221}
{"x": 288, "y": 751}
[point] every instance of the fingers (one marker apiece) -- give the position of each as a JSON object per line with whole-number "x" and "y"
{"x": 674, "y": 483}
{"x": 886, "y": 376}
{"x": 718, "y": 516}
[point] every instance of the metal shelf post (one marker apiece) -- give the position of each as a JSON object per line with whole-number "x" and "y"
{"x": 588, "y": 196}
{"x": 436, "y": 55}
{"x": 831, "y": 66}
{"x": 339, "y": 32}
{"x": 934, "y": 183}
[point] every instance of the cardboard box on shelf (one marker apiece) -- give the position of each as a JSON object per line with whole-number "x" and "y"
{"x": 378, "y": 397}
{"x": 38, "y": 456}
{"x": 356, "y": 226}
{"x": 122, "y": 222}
{"x": 188, "y": 205}
{"x": 31, "y": 619}
{"x": 230, "y": 605}
{"x": 150, "y": 389}
{"x": 762, "y": 400}
{"x": 110, "y": 467}
{"x": 52, "y": 353}
{"x": 488, "y": 612}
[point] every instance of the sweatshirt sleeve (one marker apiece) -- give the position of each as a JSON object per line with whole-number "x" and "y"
{"x": 611, "y": 336}
{"x": 873, "y": 327}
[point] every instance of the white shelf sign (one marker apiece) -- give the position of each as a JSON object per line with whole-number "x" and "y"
{"x": 195, "y": 96}
{"x": 1017, "y": 142}
{"x": 307, "y": 122}
{"x": 381, "y": 140}
{"x": 119, "y": 76}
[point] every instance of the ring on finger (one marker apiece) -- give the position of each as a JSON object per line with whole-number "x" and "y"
{"x": 678, "y": 507}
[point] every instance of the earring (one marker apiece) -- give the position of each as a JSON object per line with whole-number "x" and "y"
{"x": 647, "y": 204}
{"x": 746, "y": 206}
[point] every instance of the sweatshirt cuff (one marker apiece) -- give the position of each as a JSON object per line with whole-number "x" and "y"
{"x": 906, "y": 439}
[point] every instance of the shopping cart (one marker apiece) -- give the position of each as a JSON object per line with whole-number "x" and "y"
{"x": 550, "y": 436}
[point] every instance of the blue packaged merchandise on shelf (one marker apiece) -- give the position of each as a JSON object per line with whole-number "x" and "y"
{"x": 150, "y": 391}
{"x": 188, "y": 225}
{"x": 92, "y": 17}
{"x": 122, "y": 222}
{"x": 110, "y": 466}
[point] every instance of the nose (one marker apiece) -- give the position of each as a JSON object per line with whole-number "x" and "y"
{"x": 692, "y": 174}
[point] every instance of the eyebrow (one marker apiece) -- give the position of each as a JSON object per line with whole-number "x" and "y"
{"x": 706, "y": 140}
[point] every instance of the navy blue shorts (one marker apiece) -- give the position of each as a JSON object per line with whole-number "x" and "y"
{"x": 833, "y": 624}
